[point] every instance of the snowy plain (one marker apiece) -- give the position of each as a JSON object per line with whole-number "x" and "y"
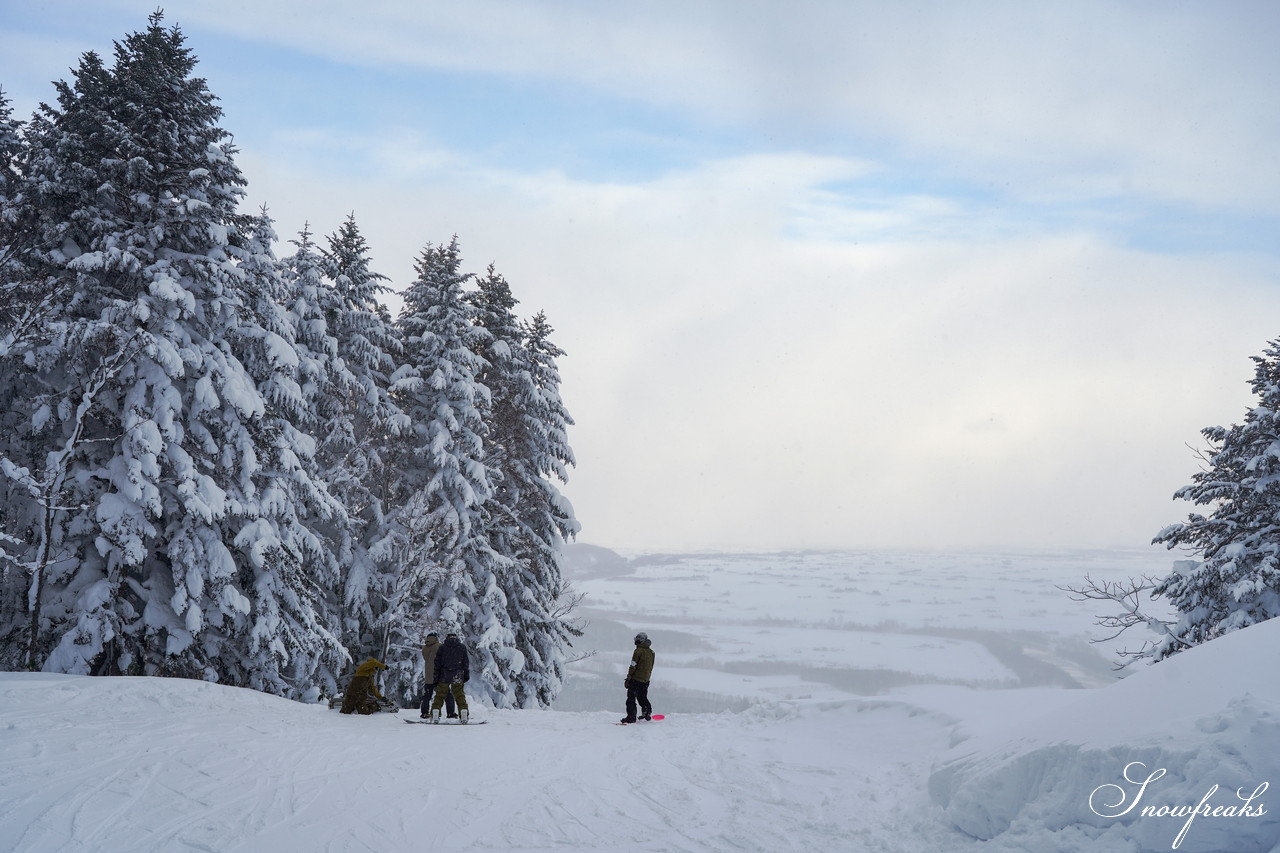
{"x": 843, "y": 701}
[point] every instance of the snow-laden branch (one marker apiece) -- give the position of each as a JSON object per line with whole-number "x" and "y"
{"x": 1129, "y": 596}
{"x": 48, "y": 489}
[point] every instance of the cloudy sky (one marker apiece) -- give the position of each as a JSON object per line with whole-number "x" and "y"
{"x": 829, "y": 274}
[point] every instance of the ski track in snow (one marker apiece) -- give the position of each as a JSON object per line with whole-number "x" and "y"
{"x": 149, "y": 765}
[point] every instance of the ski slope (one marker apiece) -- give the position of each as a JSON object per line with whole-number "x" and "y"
{"x": 1000, "y": 756}
{"x": 143, "y": 765}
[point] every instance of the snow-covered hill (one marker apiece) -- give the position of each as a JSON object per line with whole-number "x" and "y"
{"x": 137, "y": 765}
{"x": 804, "y": 761}
{"x": 1201, "y": 729}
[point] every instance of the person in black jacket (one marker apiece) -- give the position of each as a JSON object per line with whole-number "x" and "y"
{"x": 452, "y": 670}
{"x": 429, "y": 649}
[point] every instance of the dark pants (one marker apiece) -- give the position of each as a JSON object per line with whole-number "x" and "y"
{"x": 638, "y": 691}
{"x": 443, "y": 691}
{"x": 429, "y": 693}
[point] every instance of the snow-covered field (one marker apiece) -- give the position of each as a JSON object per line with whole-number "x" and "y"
{"x": 822, "y": 625}
{"x": 835, "y": 701}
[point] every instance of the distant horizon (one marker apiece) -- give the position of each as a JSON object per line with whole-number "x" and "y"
{"x": 728, "y": 550}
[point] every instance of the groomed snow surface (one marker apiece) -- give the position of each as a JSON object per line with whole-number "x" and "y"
{"x": 801, "y": 716}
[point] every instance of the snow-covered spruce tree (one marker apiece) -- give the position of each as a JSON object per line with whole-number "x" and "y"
{"x": 16, "y": 291}
{"x": 14, "y": 286}
{"x": 12, "y": 149}
{"x": 57, "y": 355}
{"x": 26, "y": 301}
{"x": 178, "y": 552}
{"x": 322, "y": 380}
{"x": 527, "y": 518}
{"x": 311, "y": 522}
{"x": 1235, "y": 581}
{"x": 449, "y": 571}
{"x": 357, "y": 439}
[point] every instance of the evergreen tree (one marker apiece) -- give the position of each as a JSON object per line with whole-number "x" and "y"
{"x": 309, "y": 303}
{"x": 528, "y": 519}
{"x": 546, "y": 516}
{"x": 12, "y": 149}
{"x": 215, "y": 464}
{"x": 59, "y": 351}
{"x": 176, "y": 542}
{"x": 357, "y": 437}
{"x": 12, "y": 276}
{"x": 19, "y": 323}
{"x": 1236, "y": 580}
{"x": 311, "y": 522}
{"x": 448, "y": 570}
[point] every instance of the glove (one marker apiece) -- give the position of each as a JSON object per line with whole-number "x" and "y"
{"x": 626, "y": 682}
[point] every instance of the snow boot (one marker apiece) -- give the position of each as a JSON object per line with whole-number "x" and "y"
{"x": 435, "y": 716}
{"x": 463, "y": 716}
{"x": 646, "y": 718}
{"x": 628, "y": 720}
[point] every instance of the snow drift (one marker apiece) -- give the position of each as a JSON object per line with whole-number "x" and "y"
{"x": 1204, "y": 717}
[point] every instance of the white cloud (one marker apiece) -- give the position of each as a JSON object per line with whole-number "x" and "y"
{"x": 739, "y": 380}
{"x": 759, "y": 359}
{"x": 1083, "y": 99}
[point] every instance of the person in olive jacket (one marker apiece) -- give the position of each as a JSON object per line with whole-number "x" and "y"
{"x": 637, "y": 680}
{"x": 362, "y": 695}
{"x": 429, "y": 649}
{"x": 452, "y": 670}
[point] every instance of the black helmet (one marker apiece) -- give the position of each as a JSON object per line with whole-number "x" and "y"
{"x": 642, "y": 637}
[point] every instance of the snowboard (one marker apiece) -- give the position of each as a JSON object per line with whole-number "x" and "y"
{"x": 654, "y": 717}
{"x": 420, "y": 721}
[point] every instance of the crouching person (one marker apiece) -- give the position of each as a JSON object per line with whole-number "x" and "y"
{"x": 362, "y": 695}
{"x": 452, "y": 670}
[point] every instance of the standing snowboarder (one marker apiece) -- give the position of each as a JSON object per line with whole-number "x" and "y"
{"x": 637, "y": 680}
{"x": 452, "y": 670}
{"x": 429, "y": 649}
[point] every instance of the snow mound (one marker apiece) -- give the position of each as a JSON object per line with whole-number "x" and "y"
{"x": 1091, "y": 769}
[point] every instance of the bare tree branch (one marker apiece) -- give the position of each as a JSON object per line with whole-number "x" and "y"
{"x": 1129, "y": 596}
